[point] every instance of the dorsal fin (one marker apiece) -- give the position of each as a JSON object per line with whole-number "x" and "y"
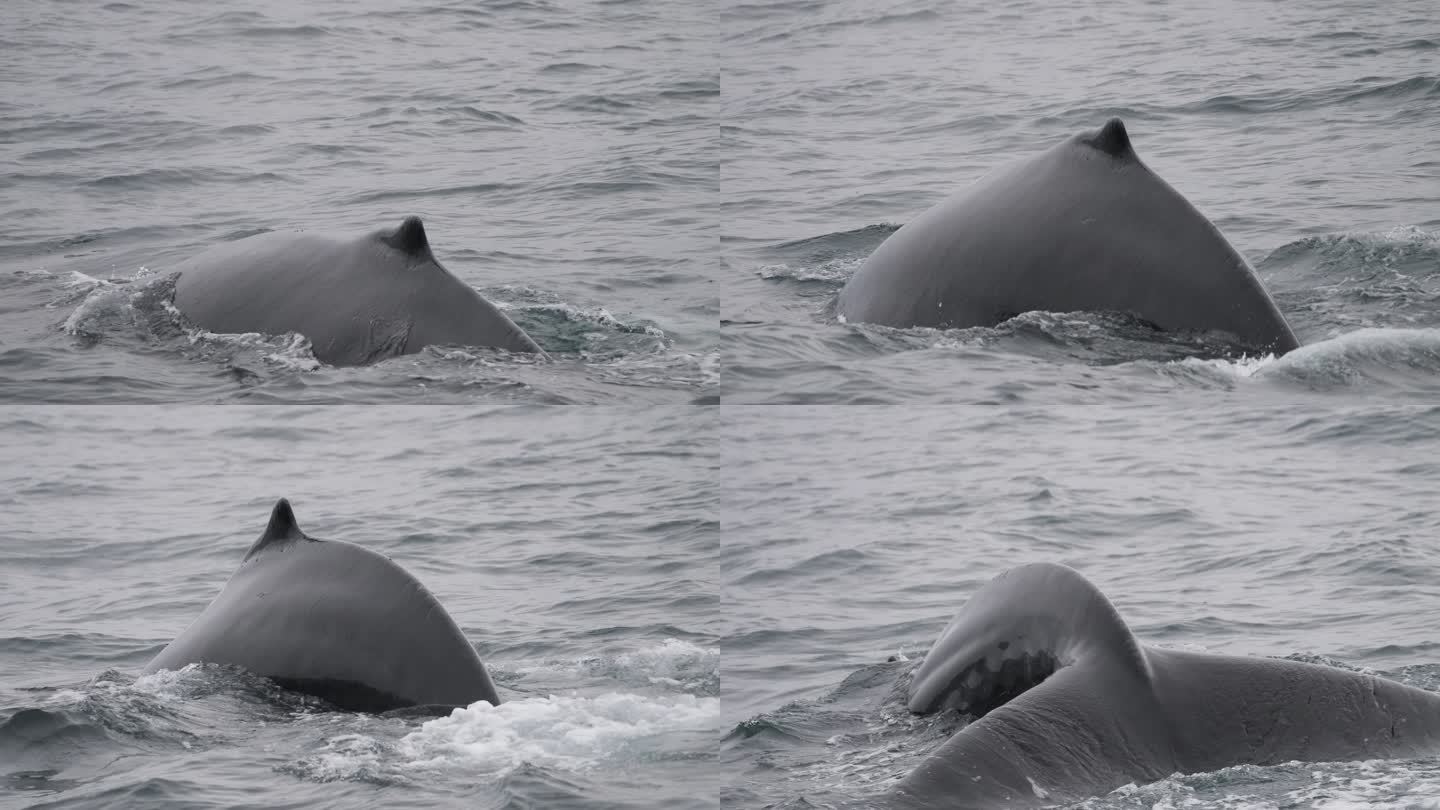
{"x": 409, "y": 239}
{"x": 281, "y": 530}
{"x": 1017, "y": 630}
{"x": 1112, "y": 139}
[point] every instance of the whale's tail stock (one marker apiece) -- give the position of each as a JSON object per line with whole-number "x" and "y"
{"x": 1015, "y": 632}
{"x": 1068, "y": 703}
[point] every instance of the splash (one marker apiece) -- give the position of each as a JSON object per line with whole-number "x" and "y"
{"x": 565, "y": 733}
{"x": 671, "y": 665}
{"x": 559, "y": 733}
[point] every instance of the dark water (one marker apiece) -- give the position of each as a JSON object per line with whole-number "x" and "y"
{"x": 575, "y": 549}
{"x": 564, "y": 166}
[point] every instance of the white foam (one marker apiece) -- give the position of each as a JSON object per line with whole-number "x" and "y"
{"x": 1373, "y": 785}
{"x": 102, "y": 299}
{"x": 108, "y": 303}
{"x": 673, "y": 664}
{"x": 562, "y": 732}
{"x": 85, "y": 280}
{"x": 1241, "y": 368}
{"x": 1344, "y": 359}
{"x": 349, "y": 757}
{"x": 487, "y": 743}
{"x": 833, "y": 271}
{"x": 297, "y": 354}
{"x": 167, "y": 683}
{"x": 1368, "y": 342}
{"x": 569, "y": 732}
{"x": 596, "y": 315}
{"x": 1332, "y": 786}
{"x": 291, "y": 351}
{"x": 1398, "y": 235}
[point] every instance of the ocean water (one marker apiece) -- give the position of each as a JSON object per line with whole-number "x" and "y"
{"x": 1302, "y": 527}
{"x": 1305, "y": 131}
{"x": 576, "y": 549}
{"x": 875, "y": 477}
{"x": 673, "y": 240}
{"x": 564, "y": 167}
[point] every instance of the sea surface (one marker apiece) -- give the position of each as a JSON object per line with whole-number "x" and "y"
{"x": 873, "y": 478}
{"x": 576, "y": 549}
{"x": 671, "y": 239}
{"x": 1306, "y": 131}
{"x": 1302, "y": 526}
{"x": 562, "y": 156}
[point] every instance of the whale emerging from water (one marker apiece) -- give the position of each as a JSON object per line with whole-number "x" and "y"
{"x": 1071, "y": 705}
{"x": 1083, "y": 226}
{"x": 335, "y": 620}
{"x": 358, "y": 299}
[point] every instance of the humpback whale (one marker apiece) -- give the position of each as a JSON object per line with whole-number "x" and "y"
{"x": 358, "y": 299}
{"x": 1083, "y": 226}
{"x": 337, "y": 621}
{"x": 1070, "y": 705}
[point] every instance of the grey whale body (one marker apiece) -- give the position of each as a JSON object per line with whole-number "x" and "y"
{"x": 337, "y": 621}
{"x": 1072, "y": 706}
{"x": 359, "y": 299}
{"x": 1084, "y": 226}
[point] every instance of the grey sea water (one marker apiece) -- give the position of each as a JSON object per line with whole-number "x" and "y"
{"x": 561, "y": 154}
{"x": 1235, "y": 525}
{"x": 1305, "y": 131}
{"x": 576, "y": 549}
{"x": 874, "y": 478}
{"x": 578, "y": 163}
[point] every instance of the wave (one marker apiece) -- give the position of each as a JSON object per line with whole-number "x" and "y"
{"x": 1365, "y": 90}
{"x": 1367, "y": 359}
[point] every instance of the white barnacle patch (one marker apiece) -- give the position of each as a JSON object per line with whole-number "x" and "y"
{"x": 1040, "y": 793}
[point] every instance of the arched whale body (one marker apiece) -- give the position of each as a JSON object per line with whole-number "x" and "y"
{"x": 335, "y": 620}
{"x": 1083, "y": 226}
{"x": 359, "y": 299}
{"x": 1072, "y": 706}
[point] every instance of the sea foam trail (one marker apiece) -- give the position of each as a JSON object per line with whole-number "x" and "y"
{"x": 488, "y": 743}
